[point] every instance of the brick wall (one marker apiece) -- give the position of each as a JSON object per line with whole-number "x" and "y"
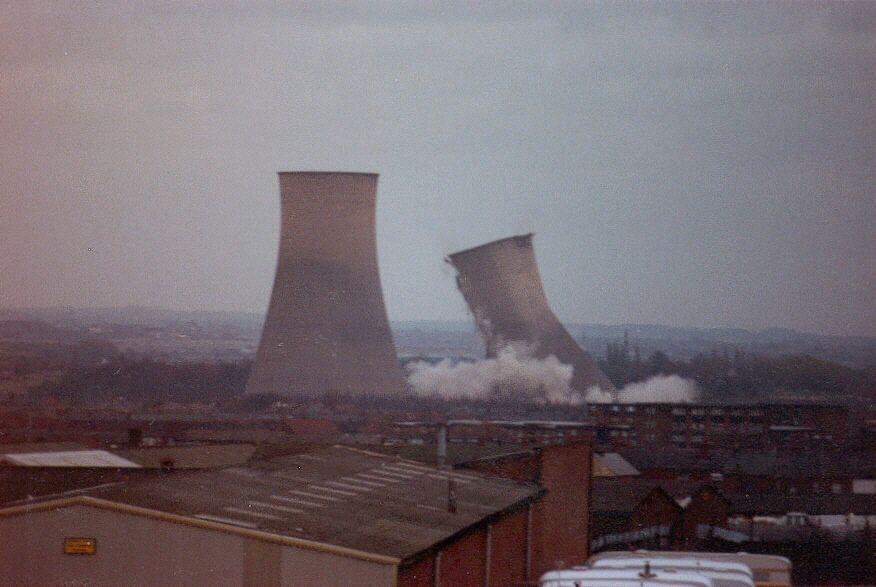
{"x": 464, "y": 562}
{"x": 560, "y": 519}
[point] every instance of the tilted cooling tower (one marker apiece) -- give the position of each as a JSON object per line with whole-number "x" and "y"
{"x": 503, "y": 289}
{"x": 326, "y": 328}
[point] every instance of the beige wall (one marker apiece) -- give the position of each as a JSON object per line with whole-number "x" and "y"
{"x": 136, "y": 550}
{"x": 316, "y": 569}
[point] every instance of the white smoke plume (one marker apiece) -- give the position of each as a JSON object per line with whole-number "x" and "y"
{"x": 514, "y": 374}
{"x": 668, "y": 389}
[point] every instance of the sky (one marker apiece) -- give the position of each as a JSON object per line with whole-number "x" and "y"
{"x": 689, "y": 164}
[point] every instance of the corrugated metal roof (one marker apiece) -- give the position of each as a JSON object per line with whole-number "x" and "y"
{"x": 68, "y": 458}
{"x": 338, "y": 495}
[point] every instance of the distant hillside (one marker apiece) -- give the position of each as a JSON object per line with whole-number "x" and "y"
{"x": 458, "y": 337}
{"x": 76, "y": 318}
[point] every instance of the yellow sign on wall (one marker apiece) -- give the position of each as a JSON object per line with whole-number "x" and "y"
{"x": 80, "y": 545}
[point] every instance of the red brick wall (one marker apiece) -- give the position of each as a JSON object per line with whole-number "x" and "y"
{"x": 419, "y": 574}
{"x": 560, "y": 518}
{"x": 508, "y": 550}
{"x": 463, "y": 561}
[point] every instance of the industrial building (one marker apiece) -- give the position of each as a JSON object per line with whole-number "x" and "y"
{"x": 334, "y": 516}
{"x": 326, "y": 328}
{"x": 502, "y": 286}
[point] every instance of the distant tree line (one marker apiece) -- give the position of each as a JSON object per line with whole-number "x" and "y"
{"x": 727, "y": 373}
{"x": 146, "y": 382}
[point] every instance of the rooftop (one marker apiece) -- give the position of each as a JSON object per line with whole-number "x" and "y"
{"x": 338, "y": 495}
{"x": 612, "y": 464}
{"x": 68, "y": 458}
{"x": 622, "y": 494}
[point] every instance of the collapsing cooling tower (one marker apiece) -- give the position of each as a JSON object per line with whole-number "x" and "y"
{"x": 326, "y": 328}
{"x": 503, "y": 289}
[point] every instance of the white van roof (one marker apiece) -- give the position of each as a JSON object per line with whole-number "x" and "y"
{"x": 723, "y": 574}
{"x": 743, "y": 557}
{"x": 580, "y": 577}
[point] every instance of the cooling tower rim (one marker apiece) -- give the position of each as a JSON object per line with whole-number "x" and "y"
{"x": 526, "y": 238}
{"x": 363, "y": 173}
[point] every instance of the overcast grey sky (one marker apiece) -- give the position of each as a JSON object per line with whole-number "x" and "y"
{"x": 686, "y": 164}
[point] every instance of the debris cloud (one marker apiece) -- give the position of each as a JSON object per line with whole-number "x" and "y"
{"x": 516, "y": 375}
{"x": 663, "y": 389}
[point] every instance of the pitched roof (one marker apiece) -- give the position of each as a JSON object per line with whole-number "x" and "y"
{"x": 622, "y": 494}
{"x": 339, "y": 495}
{"x": 612, "y": 464}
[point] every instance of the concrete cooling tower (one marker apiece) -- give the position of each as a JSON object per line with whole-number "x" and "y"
{"x": 503, "y": 289}
{"x": 326, "y": 328}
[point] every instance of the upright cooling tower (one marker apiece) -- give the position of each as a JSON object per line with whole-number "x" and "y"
{"x": 503, "y": 289}
{"x": 326, "y": 328}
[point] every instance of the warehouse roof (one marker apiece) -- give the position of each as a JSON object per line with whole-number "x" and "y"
{"x": 68, "y": 458}
{"x": 339, "y": 495}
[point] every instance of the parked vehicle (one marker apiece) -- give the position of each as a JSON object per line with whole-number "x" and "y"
{"x": 767, "y": 570}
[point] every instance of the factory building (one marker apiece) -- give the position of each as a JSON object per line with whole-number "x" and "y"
{"x": 326, "y": 328}
{"x": 335, "y": 516}
{"x": 502, "y": 286}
